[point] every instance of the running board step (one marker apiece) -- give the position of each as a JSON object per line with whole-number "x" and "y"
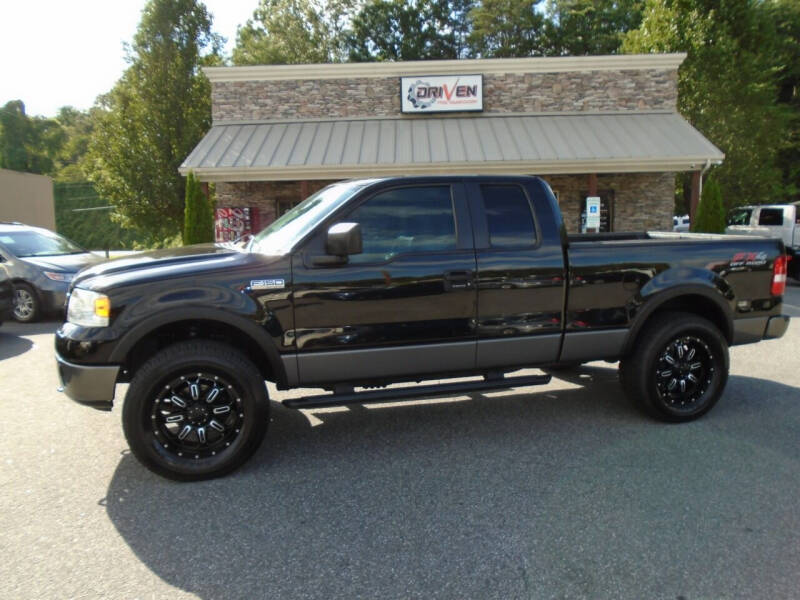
{"x": 415, "y": 392}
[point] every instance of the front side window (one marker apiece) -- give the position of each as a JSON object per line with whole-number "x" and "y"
{"x": 402, "y": 220}
{"x": 282, "y": 235}
{"x": 740, "y": 216}
{"x": 508, "y": 216}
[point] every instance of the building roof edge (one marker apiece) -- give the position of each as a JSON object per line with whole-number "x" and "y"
{"x": 487, "y": 66}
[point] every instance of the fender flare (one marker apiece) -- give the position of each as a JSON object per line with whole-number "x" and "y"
{"x": 244, "y": 325}
{"x": 659, "y": 299}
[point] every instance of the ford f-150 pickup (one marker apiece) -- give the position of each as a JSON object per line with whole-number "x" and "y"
{"x": 373, "y": 282}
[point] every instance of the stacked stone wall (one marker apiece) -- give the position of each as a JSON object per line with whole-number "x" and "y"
{"x": 595, "y": 91}
{"x": 264, "y": 196}
{"x": 642, "y": 201}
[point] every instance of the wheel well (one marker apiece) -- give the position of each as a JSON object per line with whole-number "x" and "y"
{"x": 17, "y": 280}
{"x": 699, "y": 305}
{"x": 196, "y": 329}
{"x": 37, "y": 294}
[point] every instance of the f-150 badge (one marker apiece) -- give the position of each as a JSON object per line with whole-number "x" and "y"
{"x": 267, "y": 284}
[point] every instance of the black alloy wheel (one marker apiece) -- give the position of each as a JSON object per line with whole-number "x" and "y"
{"x": 196, "y": 410}
{"x": 684, "y": 372}
{"x": 678, "y": 368}
{"x": 197, "y": 415}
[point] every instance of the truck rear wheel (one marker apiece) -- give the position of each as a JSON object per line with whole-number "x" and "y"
{"x": 678, "y": 368}
{"x": 196, "y": 410}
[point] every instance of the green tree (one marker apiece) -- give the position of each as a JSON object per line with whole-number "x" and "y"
{"x": 14, "y": 132}
{"x": 77, "y": 126}
{"x": 28, "y": 144}
{"x": 294, "y": 31}
{"x": 726, "y": 86}
{"x": 786, "y": 15}
{"x": 410, "y": 30}
{"x": 508, "y": 28}
{"x": 710, "y": 217}
{"x": 589, "y": 27}
{"x": 154, "y": 117}
{"x": 198, "y": 225}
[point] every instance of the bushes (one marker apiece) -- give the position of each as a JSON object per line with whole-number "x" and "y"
{"x": 710, "y": 217}
{"x": 198, "y": 214}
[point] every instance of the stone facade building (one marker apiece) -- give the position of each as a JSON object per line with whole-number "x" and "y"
{"x": 603, "y": 127}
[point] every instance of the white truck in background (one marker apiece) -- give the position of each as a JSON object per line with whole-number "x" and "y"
{"x": 772, "y": 221}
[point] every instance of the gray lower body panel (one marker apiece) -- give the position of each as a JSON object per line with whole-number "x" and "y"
{"x": 384, "y": 363}
{"x": 593, "y": 345}
{"x": 404, "y": 361}
{"x": 518, "y": 351}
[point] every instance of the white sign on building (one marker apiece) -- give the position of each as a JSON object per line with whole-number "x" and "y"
{"x": 593, "y": 213}
{"x": 449, "y": 93}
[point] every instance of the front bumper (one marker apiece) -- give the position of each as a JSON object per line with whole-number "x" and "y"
{"x": 87, "y": 384}
{"x": 755, "y": 329}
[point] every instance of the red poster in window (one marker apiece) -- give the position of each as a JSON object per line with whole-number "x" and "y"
{"x": 231, "y": 224}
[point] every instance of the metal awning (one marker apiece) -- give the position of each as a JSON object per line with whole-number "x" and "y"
{"x": 529, "y": 144}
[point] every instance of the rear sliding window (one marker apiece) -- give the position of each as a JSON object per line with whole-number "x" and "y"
{"x": 770, "y": 216}
{"x": 509, "y": 216}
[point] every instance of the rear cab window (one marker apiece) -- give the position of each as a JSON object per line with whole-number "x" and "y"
{"x": 770, "y": 216}
{"x": 509, "y": 216}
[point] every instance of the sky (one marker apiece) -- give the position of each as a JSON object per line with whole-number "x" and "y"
{"x": 55, "y": 53}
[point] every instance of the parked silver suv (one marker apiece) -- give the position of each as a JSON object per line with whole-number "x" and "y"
{"x": 40, "y": 264}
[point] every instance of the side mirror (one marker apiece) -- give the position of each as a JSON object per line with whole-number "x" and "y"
{"x": 344, "y": 239}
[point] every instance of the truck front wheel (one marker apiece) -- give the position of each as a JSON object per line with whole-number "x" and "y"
{"x": 678, "y": 368}
{"x": 196, "y": 410}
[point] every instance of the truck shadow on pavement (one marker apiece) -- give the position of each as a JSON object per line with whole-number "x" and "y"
{"x": 569, "y": 492}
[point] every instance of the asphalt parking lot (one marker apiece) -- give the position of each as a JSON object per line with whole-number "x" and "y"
{"x": 563, "y": 491}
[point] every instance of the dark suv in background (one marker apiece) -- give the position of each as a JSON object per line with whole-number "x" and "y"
{"x": 40, "y": 264}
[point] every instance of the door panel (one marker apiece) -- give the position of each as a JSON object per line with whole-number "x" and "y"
{"x": 412, "y": 286}
{"x": 520, "y": 279}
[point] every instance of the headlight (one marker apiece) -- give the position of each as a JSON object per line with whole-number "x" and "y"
{"x": 55, "y": 276}
{"x": 88, "y": 308}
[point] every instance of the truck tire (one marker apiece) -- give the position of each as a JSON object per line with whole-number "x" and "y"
{"x": 678, "y": 368}
{"x": 196, "y": 410}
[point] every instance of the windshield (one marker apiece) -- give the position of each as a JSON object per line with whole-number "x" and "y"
{"x": 37, "y": 243}
{"x": 281, "y": 236}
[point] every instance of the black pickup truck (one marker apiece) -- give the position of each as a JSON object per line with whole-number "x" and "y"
{"x": 373, "y": 282}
